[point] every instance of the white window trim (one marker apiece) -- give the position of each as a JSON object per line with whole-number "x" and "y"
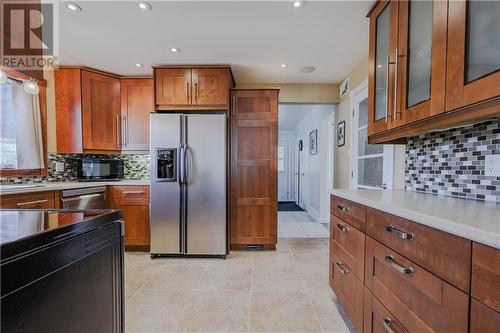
{"x": 356, "y": 94}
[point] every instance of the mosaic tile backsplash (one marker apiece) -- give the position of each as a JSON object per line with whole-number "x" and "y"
{"x": 135, "y": 167}
{"x": 452, "y": 162}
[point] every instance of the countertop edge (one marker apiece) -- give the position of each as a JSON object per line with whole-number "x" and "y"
{"x": 468, "y": 232}
{"x": 58, "y": 186}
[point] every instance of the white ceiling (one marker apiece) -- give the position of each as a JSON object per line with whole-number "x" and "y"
{"x": 291, "y": 115}
{"x": 254, "y": 37}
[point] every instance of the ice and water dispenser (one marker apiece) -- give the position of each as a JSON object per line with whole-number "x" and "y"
{"x": 166, "y": 165}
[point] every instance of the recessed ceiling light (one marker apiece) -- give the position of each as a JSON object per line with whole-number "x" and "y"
{"x": 307, "y": 69}
{"x": 379, "y": 66}
{"x": 283, "y": 65}
{"x": 144, "y": 5}
{"x": 298, "y": 3}
{"x": 175, "y": 50}
{"x": 73, "y": 6}
{"x": 139, "y": 65}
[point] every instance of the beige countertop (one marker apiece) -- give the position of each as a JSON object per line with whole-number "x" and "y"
{"x": 475, "y": 220}
{"x": 56, "y": 186}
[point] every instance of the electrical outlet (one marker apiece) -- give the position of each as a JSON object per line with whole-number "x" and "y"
{"x": 59, "y": 166}
{"x": 492, "y": 166}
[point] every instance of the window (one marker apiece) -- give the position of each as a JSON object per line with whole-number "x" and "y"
{"x": 372, "y": 165}
{"x": 21, "y": 136}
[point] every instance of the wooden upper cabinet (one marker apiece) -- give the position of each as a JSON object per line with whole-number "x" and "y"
{"x": 432, "y": 65}
{"x": 195, "y": 88}
{"x": 210, "y": 86}
{"x": 68, "y": 91}
{"x": 473, "y": 67}
{"x": 137, "y": 102}
{"x": 382, "y": 56}
{"x": 87, "y": 111}
{"x": 173, "y": 87}
{"x": 421, "y": 60}
{"x": 100, "y": 111}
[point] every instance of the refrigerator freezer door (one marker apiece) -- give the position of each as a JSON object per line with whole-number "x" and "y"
{"x": 206, "y": 184}
{"x": 165, "y": 217}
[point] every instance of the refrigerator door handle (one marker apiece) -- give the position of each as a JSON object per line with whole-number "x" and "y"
{"x": 181, "y": 164}
{"x": 188, "y": 165}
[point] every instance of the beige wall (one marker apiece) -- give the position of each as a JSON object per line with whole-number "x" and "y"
{"x": 302, "y": 93}
{"x": 342, "y": 154}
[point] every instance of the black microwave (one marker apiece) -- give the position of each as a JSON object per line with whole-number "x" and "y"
{"x": 96, "y": 169}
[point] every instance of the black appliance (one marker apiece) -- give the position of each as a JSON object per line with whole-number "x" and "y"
{"x": 97, "y": 169}
{"x": 62, "y": 271}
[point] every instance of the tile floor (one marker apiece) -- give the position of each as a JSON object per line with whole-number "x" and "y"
{"x": 300, "y": 225}
{"x": 270, "y": 291}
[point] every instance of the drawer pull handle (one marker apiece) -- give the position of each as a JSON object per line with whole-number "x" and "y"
{"x": 398, "y": 267}
{"x": 133, "y": 192}
{"x": 31, "y": 202}
{"x": 387, "y": 322}
{"x": 342, "y": 268}
{"x": 342, "y": 227}
{"x": 400, "y": 234}
{"x": 343, "y": 208}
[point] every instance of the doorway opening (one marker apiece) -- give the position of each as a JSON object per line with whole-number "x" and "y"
{"x": 305, "y": 169}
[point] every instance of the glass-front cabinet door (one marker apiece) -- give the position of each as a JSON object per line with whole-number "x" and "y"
{"x": 473, "y": 62}
{"x": 420, "y": 60}
{"x": 381, "y": 84}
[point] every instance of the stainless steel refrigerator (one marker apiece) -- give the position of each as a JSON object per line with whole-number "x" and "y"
{"x": 188, "y": 184}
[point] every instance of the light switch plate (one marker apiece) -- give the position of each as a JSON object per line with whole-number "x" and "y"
{"x": 59, "y": 166}
{"x": 492, "y": 166}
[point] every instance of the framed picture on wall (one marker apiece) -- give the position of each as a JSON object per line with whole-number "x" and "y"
{"x": 341, "y": 134}
{"x": 313, "y": 142}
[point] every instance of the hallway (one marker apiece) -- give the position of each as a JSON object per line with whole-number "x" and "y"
{"x": 300, "y": 225}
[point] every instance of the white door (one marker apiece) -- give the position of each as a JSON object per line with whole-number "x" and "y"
{"x": 283, "y": 171}
{"x": 371, "y": 165}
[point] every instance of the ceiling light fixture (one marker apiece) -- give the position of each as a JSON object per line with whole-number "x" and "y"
{"x": 3, "y": 77}
{"x": 139, "y": 65}
{"x": 379, "y": 66}
{"x": 73, "y": 6}
{"x": 31, "y": 87}
{"x": 283, "y": 65}
{"x": 144, "y": 5}
{"x": 175, "y": 50}
{"x": 298, "y": 4}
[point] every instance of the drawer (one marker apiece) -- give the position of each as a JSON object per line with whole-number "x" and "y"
{"x": 350, "y": 212}
{"x": 38, "y": 200}
{"x": 486, "y": 275}
{"x": 348, "y": 244}
{"x": 483, "y": 319}
{"x": 129, "y": 195}
{"x": 420, "y": 300}
{"x": 377, "y": 319}
{"x": 445, "y": 255}
{"x": 349, "y": 291}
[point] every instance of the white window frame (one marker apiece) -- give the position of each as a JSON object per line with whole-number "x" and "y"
{"x": 356, "y": 95}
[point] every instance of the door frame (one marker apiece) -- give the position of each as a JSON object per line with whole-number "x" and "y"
{"x": 287, "y": 168}
{"x": 361, "y": 91}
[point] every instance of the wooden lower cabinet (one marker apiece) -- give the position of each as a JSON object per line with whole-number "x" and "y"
{"x": 420, "y": 300}
{"x": 134, "y": 202}
{"x": 36, "y": 200}
{"x": 377, "y": 319}
{"x": 414, "y": 279}
{"x": 483, "y": 319}
{"x": 349, "y": 290}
